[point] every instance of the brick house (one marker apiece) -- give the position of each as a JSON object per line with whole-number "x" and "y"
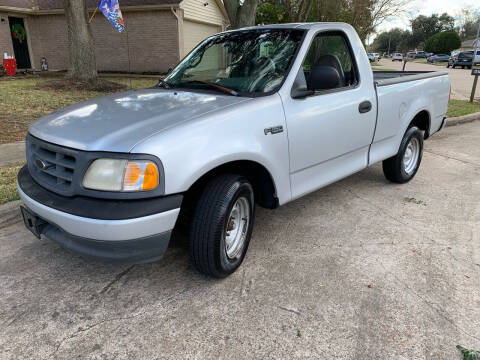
{"x": 158, "y": 33}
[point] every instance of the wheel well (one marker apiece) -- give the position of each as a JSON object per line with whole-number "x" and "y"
{"x": 422, "y": 121}
{"x": 257, "y": 175}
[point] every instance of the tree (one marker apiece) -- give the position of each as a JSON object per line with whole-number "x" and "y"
{"x": 399, "y": 40}
{"x": 444, "y": 42}
{"x": 241, "y": 13}
{"x": 80, "y": 42}
{"x": 467, "y": 21}
{"x": 424, "y": 27}
{"x": 268, "y": 13}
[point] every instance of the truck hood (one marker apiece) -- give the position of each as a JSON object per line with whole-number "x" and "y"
{"x": 117, "y": 122}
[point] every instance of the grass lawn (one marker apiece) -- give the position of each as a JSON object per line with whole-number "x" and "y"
{"x": 462, "y": 107}
{"x": 8, "y": 177}
{"x": 381, "y": 68}
{"x": 22, "y": 103}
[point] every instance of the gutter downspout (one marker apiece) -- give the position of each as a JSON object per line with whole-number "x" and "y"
{"x": 179, "y": 33}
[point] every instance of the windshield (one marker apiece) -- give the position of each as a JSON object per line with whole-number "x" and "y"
{"x": 244, "y": 62}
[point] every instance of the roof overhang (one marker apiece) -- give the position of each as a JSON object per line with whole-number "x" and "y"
{"x": 26, "y": 11}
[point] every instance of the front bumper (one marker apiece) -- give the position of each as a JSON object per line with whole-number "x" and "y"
{"x": 100, "y": 228}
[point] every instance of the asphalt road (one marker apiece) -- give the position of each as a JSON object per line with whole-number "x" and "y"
{"x": 461, "y": 79}
{"x": 362, "y": 269}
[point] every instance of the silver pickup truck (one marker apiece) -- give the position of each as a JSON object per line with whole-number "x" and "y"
{"x": 262, "y": 115}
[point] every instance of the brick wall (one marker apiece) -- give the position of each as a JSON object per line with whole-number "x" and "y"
{"x": 5, "y": 37}
{"x": 152, "y": 39}
{"x": 48, "y": 38}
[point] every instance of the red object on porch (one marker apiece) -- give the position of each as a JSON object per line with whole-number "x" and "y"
{"x": 10, "y": 66}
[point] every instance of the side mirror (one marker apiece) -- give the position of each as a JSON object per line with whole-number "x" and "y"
{"x": 299, "y": 89}
{"x": 169, "y": 71}
{"x": 323, "y": 78}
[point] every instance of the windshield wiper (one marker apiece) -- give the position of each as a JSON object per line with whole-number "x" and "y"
{"x": 163, "y": 83}
{"x": 216, "y": 86}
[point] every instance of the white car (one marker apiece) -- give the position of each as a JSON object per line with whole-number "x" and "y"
{"x": 397, "y": 57}
{"x": 231, "y": 126}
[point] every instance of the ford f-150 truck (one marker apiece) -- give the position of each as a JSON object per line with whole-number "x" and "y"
{"x": 260, "y": 115}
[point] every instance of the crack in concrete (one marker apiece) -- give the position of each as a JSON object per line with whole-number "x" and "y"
{"x": 116, "y": 279}
{"x": 430, "y": 304}
{"x": 424, "y": 300}
{"x": 452, "y": 158}
{"x": 289, "y": 310}
{"x": 87, "y": 328}
{"x": 385, "y": 212}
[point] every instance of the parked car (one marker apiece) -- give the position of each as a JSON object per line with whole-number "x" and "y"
{"x": 397, "y": 57}
{"x": 463, "y": 59}
{"x": 438, "y": 58}
{"x": 476, "y": 61}
{"x": 411, "y": 55}
{"x": 377, "y": 56}
{"x": 421, "y": 55}
{"x": 112, "y": 177}
{"x": 371, "y": 57}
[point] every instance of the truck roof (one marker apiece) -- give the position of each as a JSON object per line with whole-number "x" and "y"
{"x": 304, "y": 26}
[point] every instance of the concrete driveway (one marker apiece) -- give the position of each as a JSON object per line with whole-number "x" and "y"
{"x": 461, "y": 79}
{"x": 362, "y": 269}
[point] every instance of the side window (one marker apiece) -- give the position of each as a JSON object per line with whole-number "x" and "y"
{"x": 327, "y": 51}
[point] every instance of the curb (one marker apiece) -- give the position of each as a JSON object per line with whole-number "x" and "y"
{"x": 10, "y": 213}
{"x": 462, "y": 119}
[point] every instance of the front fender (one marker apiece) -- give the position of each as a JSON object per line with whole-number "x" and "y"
{"x": 191, "y": 149}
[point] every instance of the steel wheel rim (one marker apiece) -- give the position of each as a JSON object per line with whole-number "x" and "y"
{"x": 411, "y": 155}
{"x": 237, "y": 227}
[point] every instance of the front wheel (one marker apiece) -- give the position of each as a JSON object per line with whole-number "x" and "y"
{"x": 222, "y": 225}
{"x": 402, "y": 167}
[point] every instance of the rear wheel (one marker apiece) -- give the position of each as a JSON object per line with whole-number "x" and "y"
{"x": 402, "y": 167}
{"x": 222, "y": 225}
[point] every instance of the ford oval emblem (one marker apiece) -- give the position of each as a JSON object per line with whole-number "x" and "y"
{"x": 42, "y": 165}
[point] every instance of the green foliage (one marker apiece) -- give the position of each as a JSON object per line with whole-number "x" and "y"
{"x": 424, "y": 27}
{"x": 443, "y": 42}
{"x": 400, "y": 41}
{"x": 268, "y": 13}
{"x": 469, "y": 354}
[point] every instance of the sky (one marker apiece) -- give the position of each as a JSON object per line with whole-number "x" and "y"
{"x": 428, "y": 7}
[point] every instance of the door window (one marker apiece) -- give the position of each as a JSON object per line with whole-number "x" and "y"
{"x": 332, "y": 49}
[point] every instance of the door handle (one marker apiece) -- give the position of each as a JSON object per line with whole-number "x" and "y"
{"x": 365, "y": 107}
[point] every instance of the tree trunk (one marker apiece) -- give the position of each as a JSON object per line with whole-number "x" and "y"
{"x": 241, "y": 15}
{"x": 80, "y": 42}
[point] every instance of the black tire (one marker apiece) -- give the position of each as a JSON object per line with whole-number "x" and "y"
{"x": 207, "y": 243}
{"x": 469, "y": 67}
{"x": 463, "y": 67}
{"x": 393, "y": 168}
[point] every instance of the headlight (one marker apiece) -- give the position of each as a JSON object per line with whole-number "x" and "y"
{"x": 121, "y": 175}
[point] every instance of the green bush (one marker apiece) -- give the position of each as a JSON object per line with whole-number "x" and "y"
{"x": 443, "y": 42}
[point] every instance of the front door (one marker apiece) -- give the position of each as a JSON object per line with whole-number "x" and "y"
{"x": 19, "y": 41}
{"x": 329, "y": 132}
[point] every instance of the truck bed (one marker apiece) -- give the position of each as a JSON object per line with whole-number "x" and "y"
{"x": 384, "y": 78}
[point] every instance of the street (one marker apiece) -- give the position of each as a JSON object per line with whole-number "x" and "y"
{"x": 461, "y": 79}
{"x": 362, "y": 269}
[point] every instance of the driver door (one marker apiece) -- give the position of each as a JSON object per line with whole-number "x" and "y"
{"x": 330, "y": 131}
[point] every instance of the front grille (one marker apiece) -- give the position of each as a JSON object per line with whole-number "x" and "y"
{"x": 61, "y": 169}
{"x": 52, "y": 166}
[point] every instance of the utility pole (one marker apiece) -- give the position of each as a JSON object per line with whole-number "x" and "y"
{"x": 477, "y": 40}
{"x": 389, "y": 39}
